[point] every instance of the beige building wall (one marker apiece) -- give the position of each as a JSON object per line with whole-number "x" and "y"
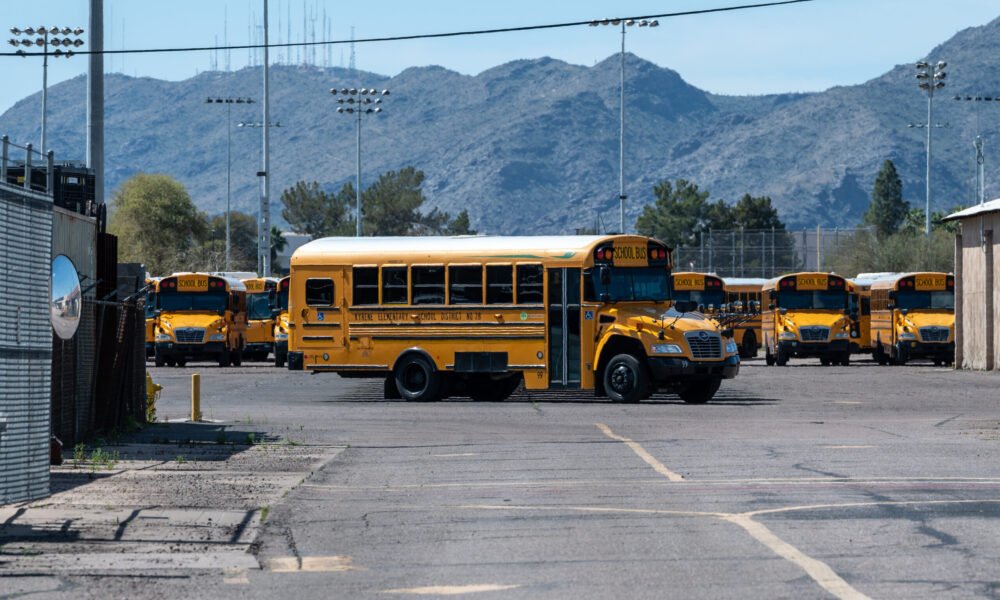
{"x": 979, "y": 335}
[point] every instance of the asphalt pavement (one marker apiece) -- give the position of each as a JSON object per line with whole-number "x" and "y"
{"x": 795, "y": 482}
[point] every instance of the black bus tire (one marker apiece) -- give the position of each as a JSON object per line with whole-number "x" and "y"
{"x": 416, "y": 379}
{"x": 625, "y": 379}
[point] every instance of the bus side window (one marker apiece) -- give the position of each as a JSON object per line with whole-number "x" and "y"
{"x": 499, "y": 284}
{"x": 319, "y": 292}
{"x": 466, "y": 285}
{"x": 365, "y": 285}
{"x": 394, "y": 285}
{"x": 529, "y": 284}
{"x": 428, "y": 285}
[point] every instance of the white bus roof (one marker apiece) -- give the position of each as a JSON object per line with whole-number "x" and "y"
{"x": 412, "y": 248}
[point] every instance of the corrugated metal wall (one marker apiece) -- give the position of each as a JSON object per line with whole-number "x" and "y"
{"x": 25, "y": 343}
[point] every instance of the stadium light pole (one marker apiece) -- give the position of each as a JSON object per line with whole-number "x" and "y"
{"x": 930, "y": 77}
{"x": 44, "y": 42}
{"x": 264, "y": 206}
{"x": 359, "y": 102}
{"x": 228, "y": 101}
{"x": 978, "y": 144}
{"x": 622, "y": 196}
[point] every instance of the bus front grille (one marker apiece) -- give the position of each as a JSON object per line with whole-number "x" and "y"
{"x": 704, "y": 344}
{"x": 814, "y": 334}
{"x": 190, "y": 335}
{"x": 934, "y": 334}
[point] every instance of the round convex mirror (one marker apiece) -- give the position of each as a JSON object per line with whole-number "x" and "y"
{"x": 66, "y": 297}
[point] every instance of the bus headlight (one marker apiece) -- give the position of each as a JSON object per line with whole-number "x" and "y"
{"x": 666, "y": 349}
{"x": 906, "y": 335}
{"x": 162, "y": 337}
{"x": 843, "y": 335}
{"x": 217, "y": 337}
{"x": 731, "y": 347}
{"x": 786, "y": 335}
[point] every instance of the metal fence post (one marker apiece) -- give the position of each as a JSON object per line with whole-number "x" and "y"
{"x": 27, "y": 167}
{"x": 50, "y": 178}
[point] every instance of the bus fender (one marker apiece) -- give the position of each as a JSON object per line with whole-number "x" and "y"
{"x": 415, "y": 350}
{"x": 616, "y": 342}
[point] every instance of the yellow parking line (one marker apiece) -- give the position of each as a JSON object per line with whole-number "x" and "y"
{"x": 641, "y": 453}
{"x": 316, "y": 564}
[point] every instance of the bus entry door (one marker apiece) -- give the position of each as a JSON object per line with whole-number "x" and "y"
{"x": 323, "y": 316}
{"x": 564, "y": 327}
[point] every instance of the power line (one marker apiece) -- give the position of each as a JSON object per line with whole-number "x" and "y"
{"x": 426, "y": 36}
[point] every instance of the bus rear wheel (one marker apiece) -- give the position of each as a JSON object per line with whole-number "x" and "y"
{"x": 224, "y": 358}
{"x": 702, "y": 391}
{"x": 417, "y": 380}
{"x": 748, "y": 349}
{"x": 626, "y": 379}
{"x": 493, "y": 390}
{"x": 237, "y": 358}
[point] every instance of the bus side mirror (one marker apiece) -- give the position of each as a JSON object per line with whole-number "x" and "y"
{"x": 772, "y": 295}
{"x": 275, "y": 312}
{"x": 892, "y": 294}
{"x": 685, "y": 306}
{"x": 783, "y": 311}
{"x": 605, "y": 274}
{"x": 853, "y": 315}
{"x": 904, "y": 311}
{"x": 770, "y": 306}
{"x": 890, "y": 306}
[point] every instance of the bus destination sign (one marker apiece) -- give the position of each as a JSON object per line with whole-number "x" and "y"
{"x": 630, "y": 256}
{"x": 689, "y": 282}
{"x": 929, "y": 282}
{"x": 811, "y": 282}
{"x": 254, "y": 285}
{"x": 192, "y": 283}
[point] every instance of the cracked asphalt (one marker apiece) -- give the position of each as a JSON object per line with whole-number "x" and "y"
{"x": 796, "y": 482}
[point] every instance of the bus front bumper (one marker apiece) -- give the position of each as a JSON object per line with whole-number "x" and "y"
{"x": 817, "y": 349}
{"x": 934, "y": 351}
{"x": 667, "y": 370}
{"x": 172, "y": 350}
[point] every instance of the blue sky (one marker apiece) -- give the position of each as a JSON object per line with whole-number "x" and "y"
{"x": 804, "y": 47}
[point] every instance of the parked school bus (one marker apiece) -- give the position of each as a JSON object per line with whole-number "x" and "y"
{"x": 859, "y": 307}
{"x": 281, "y": 328}
{"x": 200, "y": 317}
{"x": 744, "y": 294}
{"x": 806, "y": 316}
{"x": 260, "y": 319}
{"x": 476, "y": 316}
{"x": 708, "y": 293}
{"x": 913, "y": 316}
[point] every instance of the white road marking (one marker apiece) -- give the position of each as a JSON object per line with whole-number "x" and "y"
{"x": 458, "y": 454}
{"x": 316, "y": 564}
{"x": 452, "y": 590}
{"x": 236, "y": 577}
{"x": 641, "y": 453}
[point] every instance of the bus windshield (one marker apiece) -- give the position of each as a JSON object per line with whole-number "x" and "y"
{"x": 201, "y": 301}
{"x": 704, "y": 298}
{"x": 258, "y": 307}
{"x": 150, "y": 305}
{"x": 632, "y": 283}
{"x": 911, "y": 299}
{"x": 820, "y": 299}
{"x": 282, "y": 300}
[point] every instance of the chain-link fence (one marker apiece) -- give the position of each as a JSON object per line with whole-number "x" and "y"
{"x": 762, "y": 253}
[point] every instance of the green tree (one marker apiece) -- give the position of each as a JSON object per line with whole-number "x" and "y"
{"x": 887, "y": 210}
{"x": 681, "y": 212}
{"x": 242, "y": 244}
{"x": 156, "y": 223}
{"x": 905, "y": 250}
{"x": 309, "y": 209}
{"x": 756, "y": 213}
{"x": 278, "y": 243}
{"x": 391, "y": 206}
{"x": 460, "y": 225}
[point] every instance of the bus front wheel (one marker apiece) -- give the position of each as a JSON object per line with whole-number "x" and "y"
{"x": 748, "y": 349}
{"x": 625, "y": 379}
{"x": 416, "y": 379}
{"x": 701, "y": 392}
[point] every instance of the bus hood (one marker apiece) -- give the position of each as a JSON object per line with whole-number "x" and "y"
{"x": 831, "y": 319}
{"x": 654, "y": 318}
{"x": 190, "y": 319}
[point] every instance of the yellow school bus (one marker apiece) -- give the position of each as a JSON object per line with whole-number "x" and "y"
{"x": 475, "y": 316}
{"x": 707, "y": 292}
{"x": 260, "y": 319}
{"x": 149, "y": 307}
{"x": 744, "y": 297}
{"x": 859, "y": 307}
{"x": 913, "y": 316}
{"x": 281, "y": 328}
{"x": 806, "y": 316}
{"x": 200, "y": 317}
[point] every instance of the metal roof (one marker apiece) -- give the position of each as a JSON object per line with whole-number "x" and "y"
{"x": 979, "y": 209}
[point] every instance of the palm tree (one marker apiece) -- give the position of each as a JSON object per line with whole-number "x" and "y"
{"x": 278, "y": 243}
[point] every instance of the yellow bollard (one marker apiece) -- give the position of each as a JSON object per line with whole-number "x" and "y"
{"x": 195, "y": 397}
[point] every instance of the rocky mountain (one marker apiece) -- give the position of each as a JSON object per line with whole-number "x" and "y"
{"x": 531, "y": 146}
